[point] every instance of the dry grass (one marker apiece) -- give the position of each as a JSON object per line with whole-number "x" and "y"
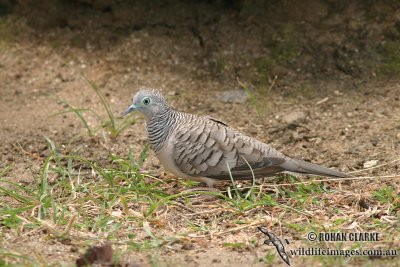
{"x": 78, "y": 202}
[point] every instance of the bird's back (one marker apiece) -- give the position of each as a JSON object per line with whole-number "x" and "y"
{"x": 206, "y": 147}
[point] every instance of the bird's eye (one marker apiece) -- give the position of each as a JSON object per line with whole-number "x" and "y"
{"x": 146, "y": 100}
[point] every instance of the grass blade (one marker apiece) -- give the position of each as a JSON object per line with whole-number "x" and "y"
{"x": 103, "y": 100}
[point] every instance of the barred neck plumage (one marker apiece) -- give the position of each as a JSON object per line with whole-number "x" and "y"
{"x": 160, "y": 126}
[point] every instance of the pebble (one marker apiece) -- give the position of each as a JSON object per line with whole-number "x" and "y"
{"x": 233, "y": 96}
{"x": 370, "y": 163}
{"x": 318, "y": 140}
{"x": 294, "y": 117}
{"x": 337, "y": 93}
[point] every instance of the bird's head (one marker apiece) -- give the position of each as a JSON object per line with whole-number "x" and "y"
{"x": 149, "y": 102}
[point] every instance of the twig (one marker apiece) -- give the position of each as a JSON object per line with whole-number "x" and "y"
{"x": 254, "y": 223}
{"x": 328, "y": 180}
{"x": 322, "y": 101}
{"x": 335, "y": 180}
{"x": 32, "y": 155}
{"x": 205, "y": 211}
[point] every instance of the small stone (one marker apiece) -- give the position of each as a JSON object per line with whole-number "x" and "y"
{"x": 187, "y": 246}
{"x": 294, "y": 117}
{"x": 370, "y": 163}
{"x": 116, "y": 213}
{"x": 172, "y": 93}
{"x": 337, "y": 93}
{"x": 298, "y": 136}
{"x": 233, "y": 96}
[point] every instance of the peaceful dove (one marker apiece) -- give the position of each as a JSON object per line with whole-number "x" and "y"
{"x": 207, "y": 150}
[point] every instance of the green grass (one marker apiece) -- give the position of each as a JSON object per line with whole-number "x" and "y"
{"x": 264, "y": 67}
{"x": 75, "y": 199}
{"x": 94, "y": 196}
{"x": 111, "y": 124}
{"x": 386, "y": 194}
{"x": 390, "y": 52}
{"x": 285, "y": 45}
{"x": 284, "y": 50}
{"x": 260, "y": 98}
{"x": 218, "y": 65}
{"x": 7, "y": 35}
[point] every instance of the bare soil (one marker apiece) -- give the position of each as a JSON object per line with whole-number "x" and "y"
{"x": 327, "y": 70}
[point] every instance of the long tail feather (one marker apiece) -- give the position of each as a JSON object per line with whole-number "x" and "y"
{"x": 301, "y": 166}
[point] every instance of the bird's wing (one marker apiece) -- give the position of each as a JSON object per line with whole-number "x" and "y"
{"x": 209, "y": 148}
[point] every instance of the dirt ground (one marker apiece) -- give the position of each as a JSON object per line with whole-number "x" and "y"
{"x": 335, "y": 100}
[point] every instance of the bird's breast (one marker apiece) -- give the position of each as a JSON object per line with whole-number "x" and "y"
{"x": 165, "y": 156}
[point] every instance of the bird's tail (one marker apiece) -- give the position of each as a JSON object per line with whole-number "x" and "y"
{"x": 301, "y": 166}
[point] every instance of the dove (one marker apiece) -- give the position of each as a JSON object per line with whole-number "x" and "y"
{"x": 204, "y": 149}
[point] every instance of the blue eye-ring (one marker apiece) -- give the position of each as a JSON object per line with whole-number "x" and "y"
{"x": 146, "y": 101}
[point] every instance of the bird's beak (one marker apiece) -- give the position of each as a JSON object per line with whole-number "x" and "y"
{"x": 129, "y": 110}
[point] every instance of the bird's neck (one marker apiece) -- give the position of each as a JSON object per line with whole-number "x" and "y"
{"x": 160, "y": 126}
